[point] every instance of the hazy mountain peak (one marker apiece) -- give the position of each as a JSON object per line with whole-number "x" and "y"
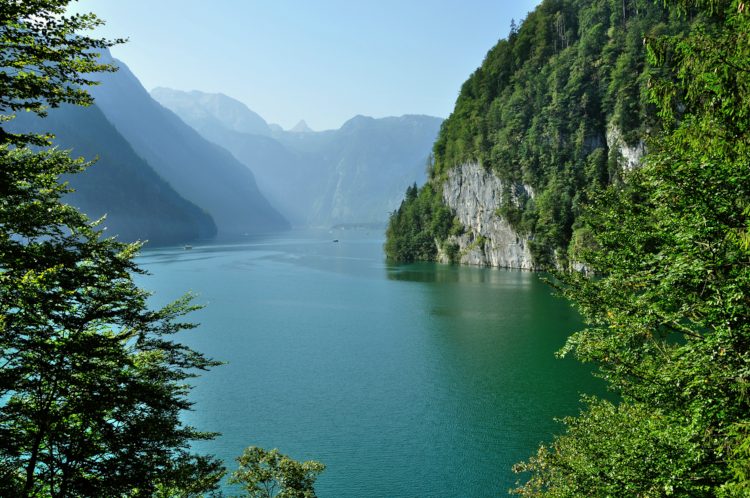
{"x": 301, "y": 127}
{"x": 357, "y": 121}
{"x": 197, "y": 107}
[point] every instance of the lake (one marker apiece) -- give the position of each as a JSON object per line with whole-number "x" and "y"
{"x": 419, "y": 380}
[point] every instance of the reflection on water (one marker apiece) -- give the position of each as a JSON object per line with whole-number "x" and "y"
{"x": 439, "y": 273}
{"x": 418, "y": 380}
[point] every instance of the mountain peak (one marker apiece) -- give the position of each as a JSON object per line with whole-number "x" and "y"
{"x": 301, "y": 127}
{"x": 196, "y": 107}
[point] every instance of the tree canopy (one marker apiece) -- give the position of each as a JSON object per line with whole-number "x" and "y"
{"x": 92, "y": 383}
{"x": 553, "y": 107}
{"x": 45, "y": 59}
{"x": 667, "y": 298}
{"x": 269, "y": 474}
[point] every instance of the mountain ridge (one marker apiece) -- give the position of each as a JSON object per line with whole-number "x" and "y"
{"x": 349, "y": 176}
{"x": 199, "y": 170}
{"x": 138, "y": 203}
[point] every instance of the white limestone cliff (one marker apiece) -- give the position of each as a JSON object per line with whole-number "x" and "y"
{"x": 488, "y": 240}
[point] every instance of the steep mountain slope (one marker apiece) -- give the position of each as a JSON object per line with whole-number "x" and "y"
{"x": 352, "y": 175}
{"x": 198, "y": 169}
{"x": 553, "y": 114}
{"x": 280, "y": 172}
{"x": 138, "y": 203}
{"x": 285, "y": 177}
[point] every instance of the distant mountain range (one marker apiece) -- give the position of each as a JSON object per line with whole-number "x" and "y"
{"x": 156, "y": 178}
{"x": 199, "y": 170}
{"x": 210, "y": 111}
{"x": 174, "y": 167}
{"x": 356, "y": 174}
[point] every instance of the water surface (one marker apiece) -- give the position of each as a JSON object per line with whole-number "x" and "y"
{"x": 416, "y": 380}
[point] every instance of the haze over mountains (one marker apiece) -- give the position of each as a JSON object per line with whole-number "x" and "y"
{"x": 354, "y": 175}
{"x": 138, "y": 203}
{"x": 198, "y": 169}
{"x": 186, "y": 169}
{"x": 157, "y": 179}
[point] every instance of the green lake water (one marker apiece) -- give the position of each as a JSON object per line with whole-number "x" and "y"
{"x": 418, "y": 380}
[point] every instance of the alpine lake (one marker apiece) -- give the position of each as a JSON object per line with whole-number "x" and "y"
{"x": 420, "y": 380}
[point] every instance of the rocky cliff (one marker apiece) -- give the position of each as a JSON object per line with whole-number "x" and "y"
{"x": 475, "y": 195}
{"x": 631, "y": 156}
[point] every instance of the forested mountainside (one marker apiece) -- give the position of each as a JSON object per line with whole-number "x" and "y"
{"x": 556, "y": 111}
{"x": 665, "y": 301}
{"x": 353, "y": 175}
{"x": 138, "y": 203}
{"x": 197, "y": 169}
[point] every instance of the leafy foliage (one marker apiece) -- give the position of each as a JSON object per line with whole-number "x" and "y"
{"x": 269, "y": 474}
{"x": 91, "y": 383}
{"x": 668, "y": 312}
{"x": 621, "y": 450}
{"x": 552, "y": 106}
{"x": 420, "y": 221}
{"x": 45, "y": 60}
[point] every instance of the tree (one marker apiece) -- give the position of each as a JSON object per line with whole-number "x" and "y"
{"x": 91, "y": 383}
{"x": 45, "y": 59}
{"x": 269, "y": 474}
{"x": 668, "y": 309}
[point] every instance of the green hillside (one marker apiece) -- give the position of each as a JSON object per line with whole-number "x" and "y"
{"x": 557, "y": 106}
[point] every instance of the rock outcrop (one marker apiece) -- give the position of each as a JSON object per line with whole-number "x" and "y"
{"x": 632, "y": 155}
{"x": 475, "y": 195}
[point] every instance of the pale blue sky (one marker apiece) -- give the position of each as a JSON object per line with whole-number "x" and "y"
{"x": 319, "y": 60}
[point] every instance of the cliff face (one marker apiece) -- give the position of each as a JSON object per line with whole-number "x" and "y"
{"x": 631, "y": 156}
{"x": 488, "y": 240}
{"x": 475, "y": 194}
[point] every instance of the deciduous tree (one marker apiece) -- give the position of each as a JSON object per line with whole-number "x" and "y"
{"x": 269, "y": 474}
{"x": 91, "y": 382}
{"x": 668, "y": 309}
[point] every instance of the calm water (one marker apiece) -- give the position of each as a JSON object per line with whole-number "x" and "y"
{"x": 406, "y": 381}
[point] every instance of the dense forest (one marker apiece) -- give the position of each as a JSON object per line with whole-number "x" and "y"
{"x": 666, "y": 244}
{"x": 552, "y": 107}
{"x": 667, "y": 305}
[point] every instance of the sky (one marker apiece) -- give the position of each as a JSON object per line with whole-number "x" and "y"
{"x": 323, "y": 61}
